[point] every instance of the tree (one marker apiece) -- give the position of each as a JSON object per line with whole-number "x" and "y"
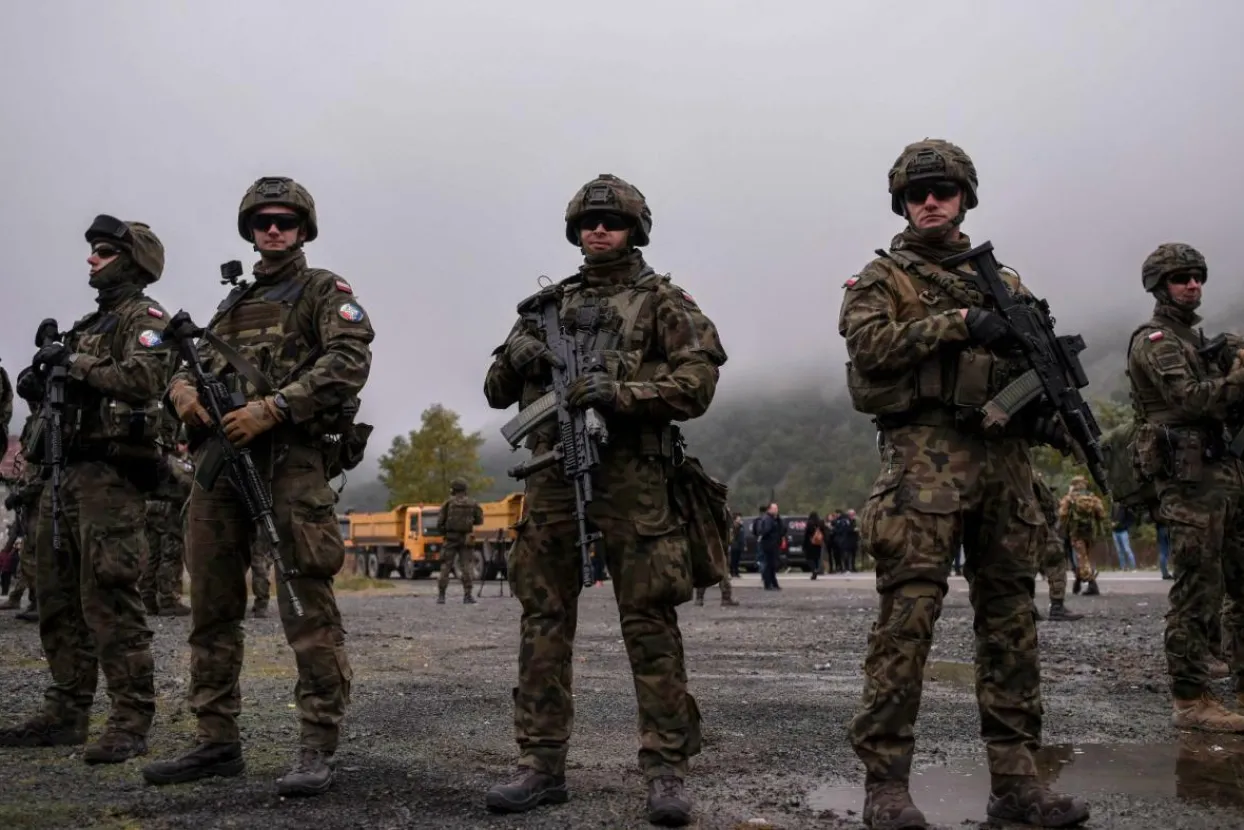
{"x": 418, "y": 467}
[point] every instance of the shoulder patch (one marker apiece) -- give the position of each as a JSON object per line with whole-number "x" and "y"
{"x": 351, "y": 313}
{"x": 851, "y": 281}
{"x": 344, "y": 286}
{"x": 1154, "y": 336}
{"x": 150, "y": 338}
{"x": 155, "y": 312}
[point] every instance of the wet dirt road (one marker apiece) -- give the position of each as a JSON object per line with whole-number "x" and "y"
{"x": 777, "y": 680}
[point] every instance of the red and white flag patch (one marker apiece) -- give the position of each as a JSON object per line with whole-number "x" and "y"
{"x": 344, "y": 286}
{"x": 155, "y": 312}
{"x": 850, "y": 282}
{"x": 1155, "y": 336}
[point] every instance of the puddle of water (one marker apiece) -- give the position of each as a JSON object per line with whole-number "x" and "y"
{"x": 1198, "y": 768}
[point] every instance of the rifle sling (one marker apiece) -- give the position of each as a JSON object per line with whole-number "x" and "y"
{"x": 243, "y": 366}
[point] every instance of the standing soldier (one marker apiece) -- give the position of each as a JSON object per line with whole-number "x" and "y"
{"x": 727, "y": 592}
{"x": 460, "y": 514}
{"x": 160, "y": 584}
{"x": 90, "y": 611}
{"x": 296, "y": 343}
{"x": 665, "y": 370}
{"x": 1051, "y": 560}
{"x": 24, "y": 502}
{"x": 1181, "y": 400}
{"x": 1082, "y": 517}
{"x": 925, "y": 354}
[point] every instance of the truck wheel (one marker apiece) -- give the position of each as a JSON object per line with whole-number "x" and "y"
{"x": 407, "y": 566}
{"x": 373, "y": 565}
{"x": 477, "y": 564}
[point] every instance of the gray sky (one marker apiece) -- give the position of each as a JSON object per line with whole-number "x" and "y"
{"x": 442, "y": 141}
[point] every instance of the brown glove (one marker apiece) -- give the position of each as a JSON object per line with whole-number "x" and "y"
{"x": 246, "y": 424}
{"x": 185, "y": 399}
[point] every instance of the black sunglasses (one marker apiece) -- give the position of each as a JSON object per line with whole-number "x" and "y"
{"x": 1184, "y": 277}
{"x": 611, "y": 221}
{"x": 105, "y": 251}
{"x": 918, "y": 192}
{"x": 283, "y": 221}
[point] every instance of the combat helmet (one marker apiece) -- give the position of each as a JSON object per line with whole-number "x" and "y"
{"x": 607, "y": 192}
{"x": 135, "y": 238}
{"x": 457, "y": 486}
{"x": 932, "y": 158}
{"x": 277, "y": 190}
{"x": 1172, "y": 258}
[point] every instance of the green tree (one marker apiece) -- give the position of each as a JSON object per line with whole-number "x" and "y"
{"x": 418, "y": 467}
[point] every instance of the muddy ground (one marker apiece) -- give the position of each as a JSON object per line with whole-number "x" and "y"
{"x": 777, "y": 680}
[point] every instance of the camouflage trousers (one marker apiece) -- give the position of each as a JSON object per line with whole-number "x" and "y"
{"x": 456, "y": 554}
{"x": 727, "y": 592}
{"x": 160, "y": 583}
{"x": 1206, "y": 525}
{"x": 90, "y": 614}
{"x": 1086, "y": 571}
{"x": 24, "y": 580}
{"x": 1052, "y": 564}
{"x": 939, "y": 488}
{"x": 220, "y": 540}
{"x": 650, "y": 576}
{"x": 261, "y": 581}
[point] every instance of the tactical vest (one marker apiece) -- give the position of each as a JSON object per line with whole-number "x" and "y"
{"x": 1147, "y": 401}
{"x": 949, "y": 382}
{"x": 460, "y": 516}
{"x": 93, "y": 417}
{"x": 1084, "y": 512}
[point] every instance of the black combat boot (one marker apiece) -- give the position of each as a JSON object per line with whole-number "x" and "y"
{"x": 311, "y": 774}
{"x": 178, "y": 609}
{"x": 528, "y": 790}
{"x": 259, "y": 609}
{"x": 888, "y": 806}
{"x": 1022, "y": 798}
{"x": 668, "y": 804}
{"x": 440, "y": 598}
{"x": 114, "y": 747}
{"x": 1091, "y": 590}
{"x": 699, "y": 597}
{"x": 1058, "y": 611}
{"x": 31, "y": 614}
{"x": 204, "y": 761}
{"x": 151, "y": 606}
{"x": 1075, "y": 586}
{"x": 729, "y": 602}
{"x": 46, "y": 730}
{"x": 467, "y": 599}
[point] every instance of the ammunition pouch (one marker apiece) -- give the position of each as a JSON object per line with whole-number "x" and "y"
{"x": 701, "y": 502}
{"x": 120, "y": 421}
{"x": 342, "y": 439}
{"x": 1178, "y": 453}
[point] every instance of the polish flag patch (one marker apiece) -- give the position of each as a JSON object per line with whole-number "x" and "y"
{"x": 1155, "y": 336}
{"x": 850, "y": 282}
{"x": 155, "y": 312}
{"x": 344, "y": 286}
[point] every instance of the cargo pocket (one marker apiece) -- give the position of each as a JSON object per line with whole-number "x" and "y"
{"x": 319, "y": 551}
{"x": 118, "y": 554}
{"x": 878, "y": 509}
{"x": 658, "y": 572}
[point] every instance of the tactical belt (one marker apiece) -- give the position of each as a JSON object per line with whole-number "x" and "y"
{"x": 111, "y": 452}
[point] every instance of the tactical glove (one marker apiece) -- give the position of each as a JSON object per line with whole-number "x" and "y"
{"x": 246, "y": 424}
{"x": 53, "y": 354}
{"x": 185, "y": 399}
{"x": 593, "y": 389}
{"x": 526, "y": 353}
{"x": 30, "y": 386}
{"x": 989, "y": 329}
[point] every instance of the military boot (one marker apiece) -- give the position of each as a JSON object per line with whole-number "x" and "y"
{"x": 1075, "y": 586}
{"x": 888, "y": 806}
{"x": 528, "y": 790}
{"x": 699, "y": 597}
{"x": 13, "y": 602}
{"x": 1058, "y": 611}
{"x": 668, "y": 804}
{"x": 1207, "y": 714}
{"x": 467, "y": 599}
{"x": 728, "y": 601}
{"x": 151, "y": 606}
{"x": 46, "y": 730}
{"x": 204, "y": 761}
{"x": 31, "y": 614}
{"x": 115, "y": 746}
{"x": 311, "y": 774}
{"x": 177, "y": 609}
{"x": 259, "y": 608}
{"x": 1023, "y": 798}
{"x": 1091, "y": 590}
{"x": 440, "y": 598}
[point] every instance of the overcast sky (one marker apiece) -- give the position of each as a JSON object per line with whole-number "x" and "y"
{"x": 441, "y": 142}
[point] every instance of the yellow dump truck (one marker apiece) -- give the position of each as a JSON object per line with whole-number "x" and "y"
{"x": 407, "y": 539}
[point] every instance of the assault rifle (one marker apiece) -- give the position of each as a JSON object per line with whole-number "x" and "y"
{"x": 52, "y": 414}
{"x": 222, "y": 457}
{"x": 581, "y": 432}
{"x": 1221, "y": 350}
{"x": 1055, "y": 370}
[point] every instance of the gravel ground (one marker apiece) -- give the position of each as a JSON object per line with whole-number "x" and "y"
{"x": 777, "y": 680}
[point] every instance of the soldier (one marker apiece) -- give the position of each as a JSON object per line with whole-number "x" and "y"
{"x": 296, "y": 342}
{"x": 1050, "y": 558}
{"x": 727, "y": 592}
{"x": 90, "y": 612}
{"x": 460, "y": 514}
{"x": 665, "y": 370}
{"x": 925, "y": 354}
{"x": 1082, "y": 517}
{"x": 23, "y": 500}
{"x": 160, "y": 584}
{"x": 1181, "y": 400}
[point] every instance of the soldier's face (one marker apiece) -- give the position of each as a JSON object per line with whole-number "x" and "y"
{"x": 101, "y": 255}
{"x": 276, "y": 228}
{"x": 1185, "y": 289}
{"x": 601, "y": 232}
{"x": 932, "y": 204}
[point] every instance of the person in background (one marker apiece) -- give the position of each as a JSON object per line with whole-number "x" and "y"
{"x": 1164, "y": 550}
{"x": 738, "y": 541}
{"x": 769, "y": 543}
{"x": 1120, "y": 524}
{"x": 813, "y": 542}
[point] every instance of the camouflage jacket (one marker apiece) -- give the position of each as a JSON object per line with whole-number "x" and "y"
{"x": 1172, "y": 384}
{"x": 907, "y": 342}
{"x": 304, "y": 330}
{"x": 460, "y": 503}
{"x": 1082, "y": 515}
{"x": 120, "y": 363}
{"x": 668, "y": 366}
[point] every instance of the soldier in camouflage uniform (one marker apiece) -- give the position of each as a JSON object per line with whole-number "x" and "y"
{"x": 160, "y": 584}
{"x": 24, "y": 502}
{"x": 297, "y": 343}
{"x": 90, "y": 612}
{"x": 1182, "y": 400}
{"x": 1082, "y": 517}
{"x": 665, "y": 370}
{"x": 458, "y": 517}
{"x": 727, "y": 592}
{"x": 926, "y": 353}
{"x": 1050, "y": 558}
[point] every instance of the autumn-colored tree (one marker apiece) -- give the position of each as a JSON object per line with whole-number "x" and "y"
{"x": 418, "y": 467}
